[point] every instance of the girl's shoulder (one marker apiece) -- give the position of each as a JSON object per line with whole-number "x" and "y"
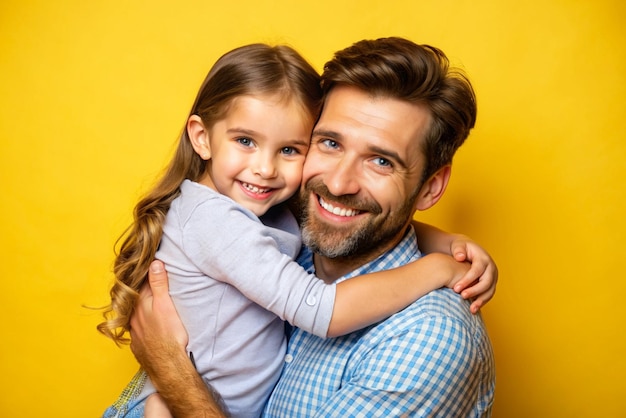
{"x": 197, "y": 201}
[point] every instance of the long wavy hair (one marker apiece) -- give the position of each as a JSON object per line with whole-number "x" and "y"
{"x": 254, "y": 69}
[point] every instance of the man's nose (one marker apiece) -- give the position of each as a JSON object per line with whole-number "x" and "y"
{"x": 343, "y": 179}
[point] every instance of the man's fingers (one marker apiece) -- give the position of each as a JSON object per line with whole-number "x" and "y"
{"x": 157, "y": 284}
{"x": 157, "y": 277}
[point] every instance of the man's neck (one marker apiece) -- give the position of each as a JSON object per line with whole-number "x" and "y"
{"x": 331, "y": 269}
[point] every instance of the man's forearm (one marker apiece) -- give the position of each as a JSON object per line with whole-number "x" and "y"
{"x": 181, "y": 387}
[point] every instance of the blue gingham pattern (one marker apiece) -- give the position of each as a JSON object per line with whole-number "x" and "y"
{"x": 433, "y": 359}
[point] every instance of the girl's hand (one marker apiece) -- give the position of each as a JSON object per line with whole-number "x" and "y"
{"x": 479, "y": 283}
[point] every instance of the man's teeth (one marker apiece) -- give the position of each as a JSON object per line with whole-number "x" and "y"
{"x": 338, "y": 211}
{"x": 254, "y": 189}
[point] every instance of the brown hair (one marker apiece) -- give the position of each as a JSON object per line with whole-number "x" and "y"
{"x": 398, "y": 68}
{"x": 254, "y": 69}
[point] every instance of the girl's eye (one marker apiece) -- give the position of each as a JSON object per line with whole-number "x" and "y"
{"x": 245, "y": 141}
{"x": 289, "y": 151}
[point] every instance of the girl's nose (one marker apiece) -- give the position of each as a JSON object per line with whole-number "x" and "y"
{"x": 264, "y": 167}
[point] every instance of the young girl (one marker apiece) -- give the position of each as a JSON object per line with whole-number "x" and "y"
{"x": 218, "y": 219}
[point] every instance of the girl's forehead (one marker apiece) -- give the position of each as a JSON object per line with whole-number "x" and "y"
{"x": 279, "y": 99}
{"x": 267, "y": 116}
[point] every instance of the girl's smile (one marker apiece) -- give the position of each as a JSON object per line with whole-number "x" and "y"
{"x": 256, "y": 192}
{"x": 254, "y": 154}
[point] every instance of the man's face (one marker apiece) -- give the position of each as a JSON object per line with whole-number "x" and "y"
{"x": 362, "y": 174}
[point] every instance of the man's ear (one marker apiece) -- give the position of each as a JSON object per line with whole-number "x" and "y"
{"x": 199, "y": 137}
{"x": 433, "y": 188}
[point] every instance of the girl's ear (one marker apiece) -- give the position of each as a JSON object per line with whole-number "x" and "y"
{"x": 199, "y": 137}
{"x": 433, "y": 188}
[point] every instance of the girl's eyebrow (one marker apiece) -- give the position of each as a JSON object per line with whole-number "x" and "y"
{"x": 243, "y": 131}
{"x": 301, "y": 142}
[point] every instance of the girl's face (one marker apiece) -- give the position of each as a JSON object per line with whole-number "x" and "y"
{"x": 256, "y": 153}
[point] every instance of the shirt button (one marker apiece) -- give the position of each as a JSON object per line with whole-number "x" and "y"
{"x": 288, "y": 358}
{"x": 311, "y": 300}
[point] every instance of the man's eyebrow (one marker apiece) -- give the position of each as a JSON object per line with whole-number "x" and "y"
{"x": 389, "y": 154}
{"x": 326, "y": 133}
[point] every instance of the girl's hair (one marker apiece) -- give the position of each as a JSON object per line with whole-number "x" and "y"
{"x": 255, "y": 69}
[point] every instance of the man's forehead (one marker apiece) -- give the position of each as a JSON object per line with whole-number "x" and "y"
{"x": 351, "y": 111}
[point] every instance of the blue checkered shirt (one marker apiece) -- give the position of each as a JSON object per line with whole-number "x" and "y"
{"x": 433, "y": 359}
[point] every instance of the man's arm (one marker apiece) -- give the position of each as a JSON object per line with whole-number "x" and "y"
{"x": 158, "y": 341}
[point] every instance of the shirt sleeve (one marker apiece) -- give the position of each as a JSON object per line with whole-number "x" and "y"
{"x": 239, "y": 250}
{"x": 428, "y": 371}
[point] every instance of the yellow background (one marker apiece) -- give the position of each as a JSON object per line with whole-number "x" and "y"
{"x": 92, "y": 98}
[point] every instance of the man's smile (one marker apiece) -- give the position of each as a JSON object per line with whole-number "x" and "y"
{"x": 336, "y": 210}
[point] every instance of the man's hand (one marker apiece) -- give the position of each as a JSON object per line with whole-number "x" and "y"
{"x": 155, "y": 326}
{"x": 159, "y": 342}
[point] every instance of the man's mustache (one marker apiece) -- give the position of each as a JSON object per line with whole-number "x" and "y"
{"x": 349, "y": 200}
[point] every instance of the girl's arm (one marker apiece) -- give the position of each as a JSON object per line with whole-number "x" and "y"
{"x": 479, "y": 283}
{"x": 251, "y": 261}
{"x": 375, "y": 296}
{"x": 370, "y": 298}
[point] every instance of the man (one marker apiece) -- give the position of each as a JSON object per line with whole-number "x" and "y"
{"x": 393, "y": 117}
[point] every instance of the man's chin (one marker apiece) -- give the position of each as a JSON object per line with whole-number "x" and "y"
{"x": 331, "y": 242}
{"x": 329, "y": 250}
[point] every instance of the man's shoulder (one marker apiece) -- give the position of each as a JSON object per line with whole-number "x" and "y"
{"x": 437, "y": 307}
{"x": 437, "y": 326}
{"x": 442, "y": 302}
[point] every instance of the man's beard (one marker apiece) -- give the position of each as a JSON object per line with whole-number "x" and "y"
{"x": 367, "y": 239}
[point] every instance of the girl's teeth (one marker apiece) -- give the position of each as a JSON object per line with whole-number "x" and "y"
{"x": 338, "y": 211}
{"x": 255, "y": 189}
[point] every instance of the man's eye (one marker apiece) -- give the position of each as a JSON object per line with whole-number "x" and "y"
{"x": 329, "y": 143}
{"x": 382, "y": 162}
{"x": 245, "y": 141}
